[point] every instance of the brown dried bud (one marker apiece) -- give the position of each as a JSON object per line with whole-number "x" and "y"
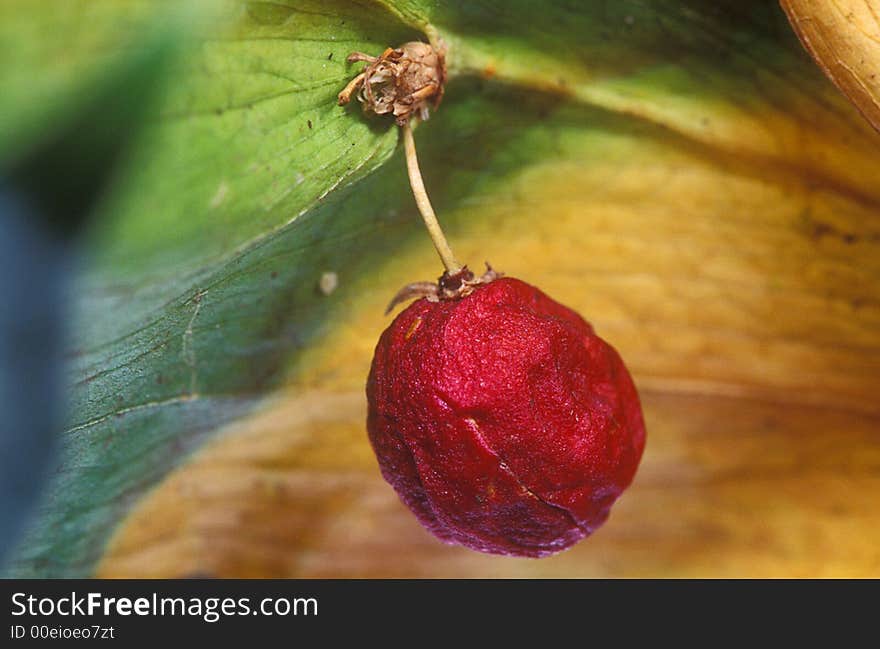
{"x": 401, "y": 81}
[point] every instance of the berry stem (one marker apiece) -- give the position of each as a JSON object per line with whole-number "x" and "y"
{"x": 424, "y": 204}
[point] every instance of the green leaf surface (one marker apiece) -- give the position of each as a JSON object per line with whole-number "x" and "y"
{"x": 198, "y": 289}
{"x": 247, "y": 140}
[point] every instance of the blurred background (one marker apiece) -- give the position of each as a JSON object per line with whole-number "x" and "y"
{"x": 197, "y": 245}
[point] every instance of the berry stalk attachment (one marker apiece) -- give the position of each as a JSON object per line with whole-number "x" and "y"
{"x": 406, "y": 81}
{"x": 497, "y": 414}
{"x": 457, "y": 281}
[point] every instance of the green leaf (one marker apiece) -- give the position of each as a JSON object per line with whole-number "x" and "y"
{"x": 247, "y": 140}
{"x": 66, "y": 171}
{"x": 198, "y": 304}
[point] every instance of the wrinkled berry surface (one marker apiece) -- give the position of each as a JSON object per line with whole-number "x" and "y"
{"x": 502, "y": 420}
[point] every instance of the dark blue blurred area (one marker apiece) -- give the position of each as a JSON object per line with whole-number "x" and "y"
{"x": 33, "y": 270}
{"x": 50, "y": 185}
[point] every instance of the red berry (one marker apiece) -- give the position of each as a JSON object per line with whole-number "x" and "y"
{"x": 502, "y": 420}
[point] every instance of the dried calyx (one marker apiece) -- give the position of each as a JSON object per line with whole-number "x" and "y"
{"x": 402, "y": 81}
{"x": 448, "y": 287}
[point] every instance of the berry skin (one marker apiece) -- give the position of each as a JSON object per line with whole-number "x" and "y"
{"x": 502, "y": 420}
